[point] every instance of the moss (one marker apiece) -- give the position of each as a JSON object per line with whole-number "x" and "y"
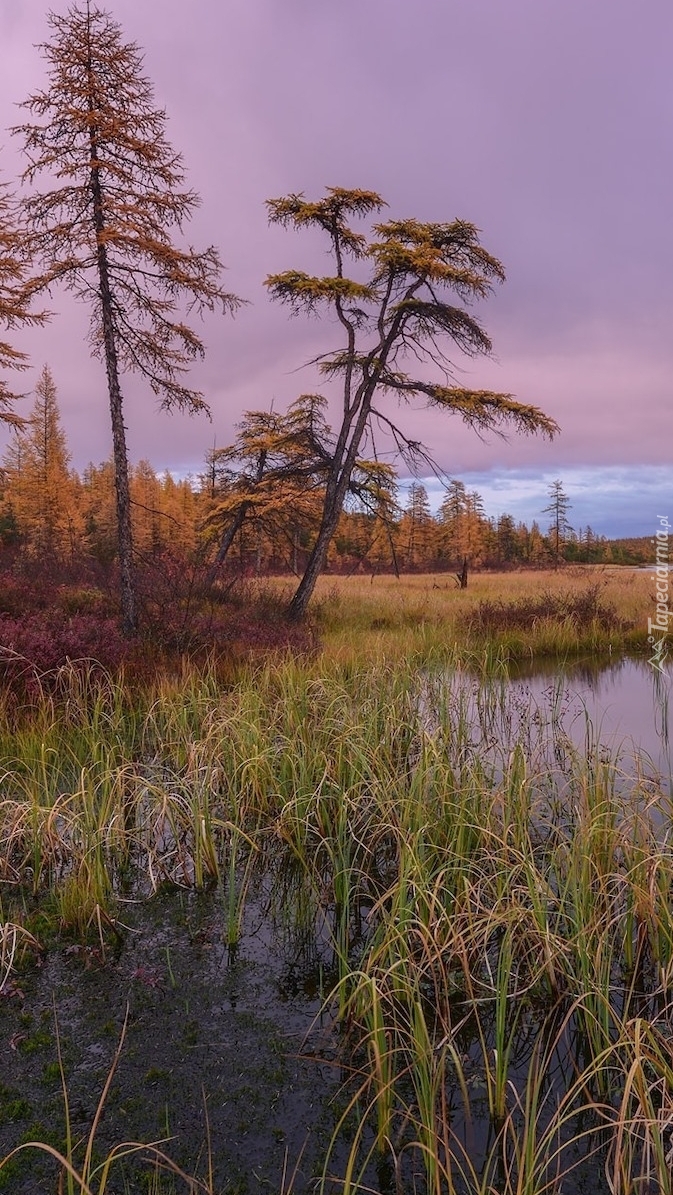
{"x": 37, "y": 1041}
{"x": 51, "y": 1073}
{"x": 11, "y": 1170}
{"x": 31, "y": 1163}
{"x": 155, "y": 1075}
{"x": 13, "y": 1106}
{"x": 190, "y": 1035}
{"x": 36, "y": 1131}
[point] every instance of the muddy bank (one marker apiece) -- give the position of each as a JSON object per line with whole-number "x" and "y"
{"x": 237, "y": 1028}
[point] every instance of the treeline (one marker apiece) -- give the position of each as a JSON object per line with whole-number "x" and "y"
{"x": 48, "y": 511}
{"x": 461, "y": 530}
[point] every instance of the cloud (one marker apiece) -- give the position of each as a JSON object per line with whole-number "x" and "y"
{"x": 545, "y": 124}
{"x": 612, "y": 500}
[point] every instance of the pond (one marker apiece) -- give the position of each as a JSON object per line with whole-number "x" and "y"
{"x": 625, "y": 701}
{"x": 619, "y": 706}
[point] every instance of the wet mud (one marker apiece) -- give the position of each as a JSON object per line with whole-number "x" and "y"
{"x": 235, "y": 1032}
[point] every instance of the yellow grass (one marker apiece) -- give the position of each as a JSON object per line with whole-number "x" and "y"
{"x": 383, "y": 613}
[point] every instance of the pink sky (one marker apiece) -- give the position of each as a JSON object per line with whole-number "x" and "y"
{"x": 549, "y": 123}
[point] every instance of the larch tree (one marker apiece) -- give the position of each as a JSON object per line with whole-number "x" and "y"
{"x": 507, "y": 545}
{"x": 369, "y": 533}
{"x": 146, "y": 513}
{"x": 104, "y": 227}
{"x": 451, "y": 517}
{"x": 269, "y": 475}
{"x": 98, "y": 512}
{"x": 15, "y": 301}
{"x": 475, "y": 528}
{"x": 463, "y": 527}
{"x": 417, "y": 528}
{"x": 274, "y": 476}
{"x": 180, "y": 508}
{"x": 41, "y": 487}
{"x": 399, "y": 309}
{"x": 559, "y": 526}
{"x": 536, "y": 550}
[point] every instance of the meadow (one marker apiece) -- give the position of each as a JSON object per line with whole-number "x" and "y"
{"x": 520, "y": 615}
{"x": 492, "y": 931}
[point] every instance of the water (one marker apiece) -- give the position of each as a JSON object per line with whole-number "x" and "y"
{"x": 618, "y": 709}
{"x": 625, "y": 701}
{"x": 230, "y": 1044}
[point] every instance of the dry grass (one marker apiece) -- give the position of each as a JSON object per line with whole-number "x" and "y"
{"x": 390, "y": 615}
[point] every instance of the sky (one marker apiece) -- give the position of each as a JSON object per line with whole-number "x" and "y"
{"x": 547, "y": 123}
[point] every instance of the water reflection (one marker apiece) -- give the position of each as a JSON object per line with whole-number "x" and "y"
{"x": 626, "y": 702}
{"x": 606, "y": 712}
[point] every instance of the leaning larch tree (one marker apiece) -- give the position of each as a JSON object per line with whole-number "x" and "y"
{"x": 398, "y": 309}
{"x": 103, "y": 224}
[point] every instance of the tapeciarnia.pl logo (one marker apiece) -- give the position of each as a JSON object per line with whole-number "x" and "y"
{"x": 657, "y": 628}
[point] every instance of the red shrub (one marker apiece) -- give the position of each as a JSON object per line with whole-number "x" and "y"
{"x": 42, "y": 640}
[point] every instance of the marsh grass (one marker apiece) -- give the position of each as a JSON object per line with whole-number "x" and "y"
{"x": 493, "y": 906}
{"x": 518, "y": 614}
{"x": 15, "y": 943}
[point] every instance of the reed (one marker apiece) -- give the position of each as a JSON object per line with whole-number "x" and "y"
{"x": 477, "y": 876}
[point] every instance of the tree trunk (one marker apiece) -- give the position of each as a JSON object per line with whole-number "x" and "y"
{"x": 316, "y": 563}
{"x": 225, "y": 544}
{"x": 345, "y": 455}
{"x": 120, "y": 455}
{"x": 122, "y": 492}
{"x": 337, "y": 485}
{"x": 234, "y": 527}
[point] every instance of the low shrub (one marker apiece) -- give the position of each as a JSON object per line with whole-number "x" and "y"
{"x": 40, "y": 642}
{"x": 44, "y": 627}
{"x": 584, "y": 609}
{"x": 77, "y": 599}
